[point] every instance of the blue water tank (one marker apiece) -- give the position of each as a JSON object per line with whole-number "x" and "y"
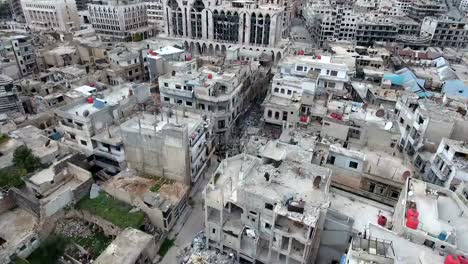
{"x": 443, "y": 236}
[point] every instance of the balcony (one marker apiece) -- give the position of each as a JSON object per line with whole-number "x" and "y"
{"x": 177, "y": 92}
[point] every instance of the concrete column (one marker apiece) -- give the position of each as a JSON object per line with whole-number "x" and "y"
{"x": 185, "y": 24}
{"x": 241, "y": 27}
{"x": 247, "y": 28}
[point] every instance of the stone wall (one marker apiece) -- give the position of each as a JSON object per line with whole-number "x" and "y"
{"x": 7, "y": 202}
{"x": 26, "y": 202}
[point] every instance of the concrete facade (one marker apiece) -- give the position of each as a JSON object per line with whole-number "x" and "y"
{"x": 173, "y": 145}
{"x": 51, "y": 15}
{"x": 118, "y": 20}
{"x": 247, "y": 215}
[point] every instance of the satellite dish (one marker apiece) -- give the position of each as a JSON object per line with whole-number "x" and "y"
{"x": 380, "y": 113}
{"x": 388, "y": 126}
{"x": 85, "y": 113}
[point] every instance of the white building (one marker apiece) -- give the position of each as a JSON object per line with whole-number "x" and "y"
{"x": 298, "y": 75}
{"x": 224, "y": 91}
{"x": 155, "y": 13}
{"x": 120, "y": 20}
{"x": 212, "y": 27}
{"x": 83, "y": 119}
{"x": 449, "y": 164}
{"x": 59, "y": 15}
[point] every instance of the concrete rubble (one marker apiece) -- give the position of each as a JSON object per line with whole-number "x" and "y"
{"x": 198, "y": 253}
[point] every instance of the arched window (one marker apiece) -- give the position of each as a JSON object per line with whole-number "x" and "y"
{"x": 196, "y": 16}
{"x": 176, "y": 18}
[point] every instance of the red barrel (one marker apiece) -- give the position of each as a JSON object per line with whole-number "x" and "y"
{"x": 382, "y": 220}
{"x": 412, "y": 222}
{"x": 463, "y": 259}
{"x": 412, "y": 212}
{"x": 452, "y": 259}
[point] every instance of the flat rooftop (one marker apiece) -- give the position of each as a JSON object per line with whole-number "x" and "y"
{"x": 15, "y": 226}
{"x": 149, "y": 124}
{"x": 35, "y": 139}
{"x": 112, "y": 96}
{"x": 294, "y": 178}
{"x": 406, "y": 252}
{"x": 378, "y": 163}
{"x": 362, "y": 211}
{"x": 126, "y": 247}
{"x": 439, "y": 212}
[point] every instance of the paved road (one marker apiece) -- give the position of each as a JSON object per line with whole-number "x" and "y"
{"x": 195, "y": 221}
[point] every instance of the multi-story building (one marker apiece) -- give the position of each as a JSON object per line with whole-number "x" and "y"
{"x": 155, "y": 13}
{"x": 462, "y": 5}
{"x": 16, "y": 10}
{"x": 120, "y": 20}
{"x": 20, "y": 48}
{"x": 446, "y": 31}
{"x": 421, "y": 9}
{"x": 297, "y": 75}
{"x": 43, "y": 15}
{"x": 126, "y": 66}
{"x": 385, "y": 29}
{"x": 270, "y": 209}
{"x": 423, "y": 124}
{"x": 176, "y": 144}
{"x": 330, "y": 22}
{"x": 449, "y": 164}
{"x": 214, "y": 27}
{"x": 9, "y": 97}
{"x": 224, "y": 91}
{"x": 433, "y": 216}
{"x": 82, "y": 4}
{"x": 83, "y": 119}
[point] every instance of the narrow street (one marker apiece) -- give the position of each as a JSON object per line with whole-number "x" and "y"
{"x": 195, "y": 221}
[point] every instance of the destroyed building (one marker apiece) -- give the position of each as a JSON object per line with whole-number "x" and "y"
{"x": 269, "y": 209}
{"x": 163, "y": 201}
{"x": 449, "y": 165}
{"x": 50, "y": 190}
{"x": 132, "y": 246}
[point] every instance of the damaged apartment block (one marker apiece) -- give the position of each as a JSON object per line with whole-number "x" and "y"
{"x": 269, "y": 209}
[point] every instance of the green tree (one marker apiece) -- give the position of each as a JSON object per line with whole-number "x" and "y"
{"x": 23, "y": 158}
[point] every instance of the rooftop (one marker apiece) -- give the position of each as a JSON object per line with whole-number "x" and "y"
{"x": 35, "y": 139}
{"x": 110, "y": 97}
{"x": 295, "y": 178}
{"x": 440, "y": 210}
{"x": 149, "y": 124}
{"x": 15, "y": 226}
{"x": 126, "y": 247}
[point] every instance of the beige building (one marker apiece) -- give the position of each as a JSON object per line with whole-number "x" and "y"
{"x": 269, "y": 209}
{"x": 132, "y": 246}
{"x": 43, "y": 15}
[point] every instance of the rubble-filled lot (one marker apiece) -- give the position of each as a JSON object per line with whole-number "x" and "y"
{"x": 198, "y": 253}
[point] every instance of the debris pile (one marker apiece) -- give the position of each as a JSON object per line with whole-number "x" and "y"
{"x": 198, "y": 253}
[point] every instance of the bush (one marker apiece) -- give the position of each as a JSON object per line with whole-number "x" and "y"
{"x": 166, "y": 245}
{"x": 23, "y": 158}
{"x": 49, "y": 251}
{"x": 12, "y": 177}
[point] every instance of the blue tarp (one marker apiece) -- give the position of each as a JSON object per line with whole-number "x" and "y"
{"x": 408, "y": 80}
{"x": 455, "y": 87}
